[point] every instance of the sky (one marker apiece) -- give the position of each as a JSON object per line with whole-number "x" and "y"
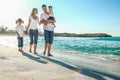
{"x": 72, "y": 16}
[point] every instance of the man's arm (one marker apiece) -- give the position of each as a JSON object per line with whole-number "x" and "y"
{"x": 50, "y": 21}
{"x": 45, "y": 22}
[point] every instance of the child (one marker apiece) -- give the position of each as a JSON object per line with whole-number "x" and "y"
{"x": 20, "y": 32}
{"x": 51, "y": 15}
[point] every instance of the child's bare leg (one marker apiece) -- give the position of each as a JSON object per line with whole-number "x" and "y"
{"x": 21, "y": 48}
{"x": 54, "y": 25}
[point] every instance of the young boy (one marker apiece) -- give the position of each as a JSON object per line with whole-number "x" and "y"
{"x": 51, "y": 15}
{"x": 20, "y": 32}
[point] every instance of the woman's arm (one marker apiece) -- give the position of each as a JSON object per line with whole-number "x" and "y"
{"x": 28, "y": 25}
{"x": 40, "y": 22}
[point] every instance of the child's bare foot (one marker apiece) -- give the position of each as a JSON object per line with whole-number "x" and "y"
{"x": 19, "y": 50}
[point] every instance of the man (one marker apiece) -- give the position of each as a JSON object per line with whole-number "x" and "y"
{"x": 48, "y": 30}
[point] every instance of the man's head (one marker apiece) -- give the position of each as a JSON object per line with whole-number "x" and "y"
{"x": 44, "y": 8}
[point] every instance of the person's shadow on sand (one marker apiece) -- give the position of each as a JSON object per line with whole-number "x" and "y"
{"x": 37, "y": 59}
{"x": 98, "y": 75}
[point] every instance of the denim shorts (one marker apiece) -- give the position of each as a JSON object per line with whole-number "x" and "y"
{"x": 48, "y": 36}
{"x": 33, "y": 36}
{"x": 20, "y": 41}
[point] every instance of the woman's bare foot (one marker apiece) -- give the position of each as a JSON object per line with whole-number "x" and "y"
{"x": 30, "y": 51}
{"x": 35, "y": 52}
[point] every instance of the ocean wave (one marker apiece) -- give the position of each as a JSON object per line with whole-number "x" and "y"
{"x": 92, "y": 55}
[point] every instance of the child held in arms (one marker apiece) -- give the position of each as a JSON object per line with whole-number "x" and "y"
{"x": 51, "y": 14}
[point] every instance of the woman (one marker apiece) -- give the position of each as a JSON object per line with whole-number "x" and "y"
{"x": 33, "y": 29}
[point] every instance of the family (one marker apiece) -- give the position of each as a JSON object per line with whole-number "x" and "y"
{"x": 47, "y": 19}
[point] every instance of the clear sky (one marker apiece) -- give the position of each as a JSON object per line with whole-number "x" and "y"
{"x": 73, "y": 16}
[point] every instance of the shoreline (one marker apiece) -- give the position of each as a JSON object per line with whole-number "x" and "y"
{"x": 90, "y": 62}
{"x": 20, "y": 66}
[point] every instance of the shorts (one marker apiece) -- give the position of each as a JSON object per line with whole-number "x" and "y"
{"x": 20, "y": 41}
{"x": 48, "y": 36}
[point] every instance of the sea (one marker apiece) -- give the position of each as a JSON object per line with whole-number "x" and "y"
{"x": 78, "y": 45}
{"x": 90, "y": 45}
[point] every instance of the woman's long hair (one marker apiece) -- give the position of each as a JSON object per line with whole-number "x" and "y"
{"x": 33, "y": 11}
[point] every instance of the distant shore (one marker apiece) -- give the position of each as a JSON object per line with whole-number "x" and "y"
{"x": 67, "y": 34}
{"x": 82, "y": 35}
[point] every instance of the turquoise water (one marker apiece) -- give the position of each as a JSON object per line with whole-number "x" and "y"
{"x": 91, "y": 45}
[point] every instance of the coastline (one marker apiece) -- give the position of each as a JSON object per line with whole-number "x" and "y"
{"x": 17, "y": 66}
{"x": 73, "y": 66}
{"x": 25, "y": 66}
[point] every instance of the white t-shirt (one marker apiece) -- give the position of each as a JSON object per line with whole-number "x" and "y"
{"x": 33, "y": 24}
{"x": 49, "y": 26}
{"x": 51, "y": 14}
{"x": 20, "y": 30}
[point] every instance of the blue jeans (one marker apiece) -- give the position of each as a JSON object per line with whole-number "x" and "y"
{"x": 20, "y": 41}
{"x": 48, "y": 36}
{"x": 33, "y": 36}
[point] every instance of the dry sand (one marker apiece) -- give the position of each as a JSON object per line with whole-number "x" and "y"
{"x": 17, "y": 66}
{"x": 25, "y": 66}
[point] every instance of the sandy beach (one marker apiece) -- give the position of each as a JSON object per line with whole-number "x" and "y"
{"x": 15, "y": 65}
{"x": 25, "y": 66}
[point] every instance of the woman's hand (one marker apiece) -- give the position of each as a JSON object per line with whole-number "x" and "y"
{"x": 26, "y": 32}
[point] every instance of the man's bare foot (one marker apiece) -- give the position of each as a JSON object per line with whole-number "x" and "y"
{"x": 49, "y": 54}
{"x": 44, "y": 52}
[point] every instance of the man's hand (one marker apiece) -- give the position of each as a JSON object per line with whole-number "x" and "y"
{"x": 43, "y": 22}
{"x": 50, "y": 21}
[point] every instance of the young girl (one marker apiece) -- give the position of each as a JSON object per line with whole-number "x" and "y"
{"x": 33, "y": 29}
{"x": 51, "y": 15}
{"x": 20, "y": 32}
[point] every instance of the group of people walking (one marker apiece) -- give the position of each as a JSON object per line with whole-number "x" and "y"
{"x": 47, "y": 19}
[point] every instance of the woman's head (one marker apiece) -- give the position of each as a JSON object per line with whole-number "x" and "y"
{"x": 34, "y": 12}
{"x": 19, "y": 21}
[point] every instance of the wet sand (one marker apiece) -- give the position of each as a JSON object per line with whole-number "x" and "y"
{"x": 25, "y": 66}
